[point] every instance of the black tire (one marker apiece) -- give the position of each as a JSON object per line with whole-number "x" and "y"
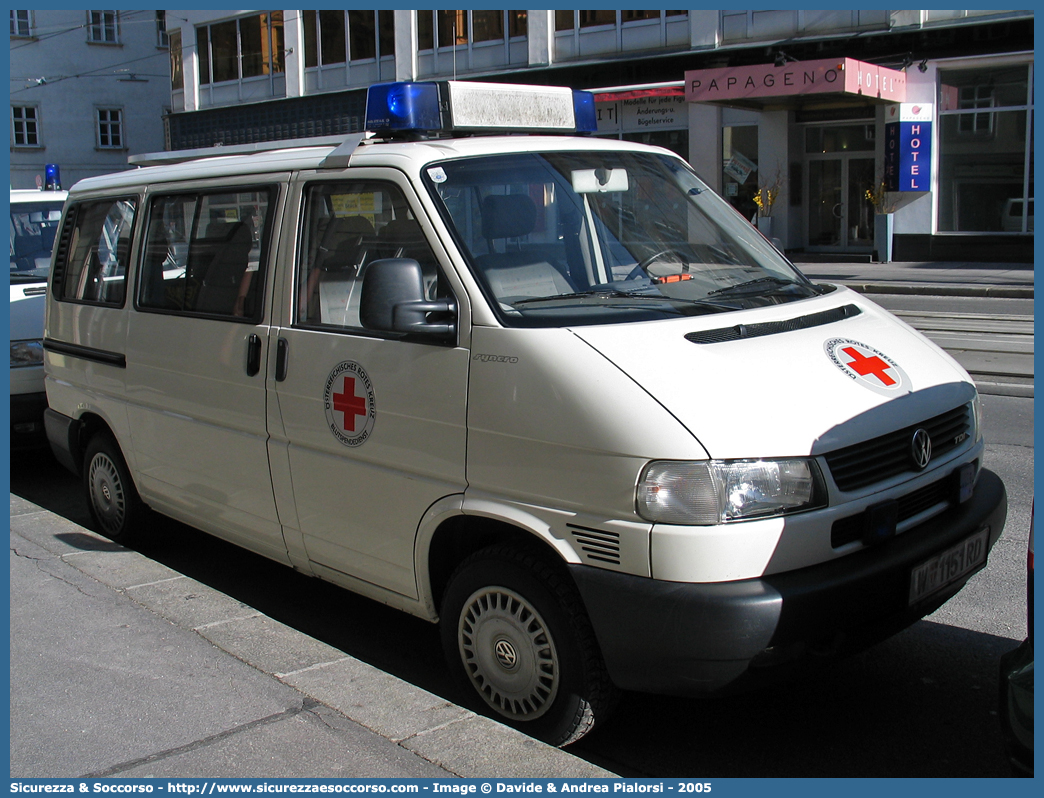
{"x": 515, "y": 631}
{"x": 113, "y": 501}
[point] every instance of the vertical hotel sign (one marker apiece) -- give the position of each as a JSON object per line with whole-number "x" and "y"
{"x": 908, "y": 147}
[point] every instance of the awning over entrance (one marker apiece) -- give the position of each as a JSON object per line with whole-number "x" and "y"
{"x": 616, "y": 93}
{"x": 760, "y": 85}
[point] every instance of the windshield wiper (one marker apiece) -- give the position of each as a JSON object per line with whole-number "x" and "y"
{"x": 745, "y": 288}
{"x": 601, "y": 293}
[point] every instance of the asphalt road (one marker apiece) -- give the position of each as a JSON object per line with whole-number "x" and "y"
{"x": 920, "y": 704}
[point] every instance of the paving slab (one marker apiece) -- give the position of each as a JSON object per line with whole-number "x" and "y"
{"x": 123, "y": 667}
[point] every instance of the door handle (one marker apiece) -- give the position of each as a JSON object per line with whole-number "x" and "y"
{"x": 253, "y": 364}
{"x": 282, "y": 357}
{"x": 836, "y": 212}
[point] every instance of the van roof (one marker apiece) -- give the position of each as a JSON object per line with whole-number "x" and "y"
{"x": 406, "y": 155}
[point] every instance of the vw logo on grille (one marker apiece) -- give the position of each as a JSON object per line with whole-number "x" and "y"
{"x": 505, "y": 653}
{"x": 921, "y": 448}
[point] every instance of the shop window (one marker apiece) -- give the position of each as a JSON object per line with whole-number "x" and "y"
{"x": 740, "y": 167}
{"x": 985, "y": 178}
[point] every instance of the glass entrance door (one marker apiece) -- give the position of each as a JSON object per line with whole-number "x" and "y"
{"x": 840, "y": 159}
{"x": 840, "y": 217}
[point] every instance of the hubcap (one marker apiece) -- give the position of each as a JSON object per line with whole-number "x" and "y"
{"x": 508, "y": 653}
{"x": 107, "y": 496}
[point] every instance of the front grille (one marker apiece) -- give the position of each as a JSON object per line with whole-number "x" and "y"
{"x": 856, "y": 527}
{"x": 889, "y": 455}
{"x": 598, "y": 545}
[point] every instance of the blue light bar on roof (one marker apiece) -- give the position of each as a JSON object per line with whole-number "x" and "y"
{"x": 463, "y": 106}
{"x": 584, "y": 112}
{"x": 402, "y": 107}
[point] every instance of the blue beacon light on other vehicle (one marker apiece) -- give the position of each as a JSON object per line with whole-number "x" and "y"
{"x": 52, "y": 177}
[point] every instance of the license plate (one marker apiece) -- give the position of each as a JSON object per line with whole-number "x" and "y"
{"x": 949, "y": 566}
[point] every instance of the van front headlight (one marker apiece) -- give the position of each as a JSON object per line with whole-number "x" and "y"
{"x": 26, "y": 353}
{"x": 718, "y": 491}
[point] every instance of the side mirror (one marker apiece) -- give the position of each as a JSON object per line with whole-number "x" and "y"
{"x": 393, "y": 300}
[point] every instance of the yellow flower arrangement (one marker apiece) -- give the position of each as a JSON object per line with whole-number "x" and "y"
{"x": 764, "y": 199}
{"x": 768, "y": 192}
{"x": 878, "y": 196}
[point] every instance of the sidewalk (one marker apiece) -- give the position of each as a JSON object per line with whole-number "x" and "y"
{"x": 123, "y": 667}
{"x": 938, "y": 278}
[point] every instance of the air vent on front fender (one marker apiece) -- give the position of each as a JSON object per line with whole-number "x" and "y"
{"x": 743, "y": 331}
{"x": 597, "y": 545}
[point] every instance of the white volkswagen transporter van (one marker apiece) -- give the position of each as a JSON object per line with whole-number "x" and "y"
{"x": 548, "y": 391}
{"x": 33, "y": 225}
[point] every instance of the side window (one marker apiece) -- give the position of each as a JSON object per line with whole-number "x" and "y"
{"x": 91, "y": 265}
{"x": 203, "y": 254}
{"x": 347, "y": 226}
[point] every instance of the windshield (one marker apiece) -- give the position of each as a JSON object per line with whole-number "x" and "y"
{"x": 568, "y": 238}
{"x": 33, "y": 229}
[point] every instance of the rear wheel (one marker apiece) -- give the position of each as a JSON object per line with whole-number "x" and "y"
{"x": 113, "y": 501}
{"x": 515, "y": 631}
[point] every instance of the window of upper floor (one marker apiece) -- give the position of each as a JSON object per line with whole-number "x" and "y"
{"x": 109, "y": 128}
{"x": 459, "y": 28}
{"x": 21, "y": 24}
{"x": 25, "y": 126}
{"x": 177, "y": 65}
{"x": 162, "y": 39}
{"x": 571, "y": 20}
{"x": 103, "y": 27}
{"x": 237, "y": 49}
{"x": 334, "y": 37}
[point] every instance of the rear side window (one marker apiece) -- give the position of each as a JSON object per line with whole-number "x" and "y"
{"x": 203, "y": 253}
{"x": 91, "y": 264}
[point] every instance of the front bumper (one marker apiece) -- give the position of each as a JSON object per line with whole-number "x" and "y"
{"x": 692, "y": 639}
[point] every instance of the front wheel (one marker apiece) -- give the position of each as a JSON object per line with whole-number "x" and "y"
{"x": 515, "y": 631}
{"x": 113, "y": 501}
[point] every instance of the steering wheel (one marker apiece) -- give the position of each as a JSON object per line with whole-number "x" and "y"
{"x": 643, "y": 266}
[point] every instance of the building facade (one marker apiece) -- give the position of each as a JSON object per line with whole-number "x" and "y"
{"x": 88, "y": 88}
{"x": 844, "y": 132}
